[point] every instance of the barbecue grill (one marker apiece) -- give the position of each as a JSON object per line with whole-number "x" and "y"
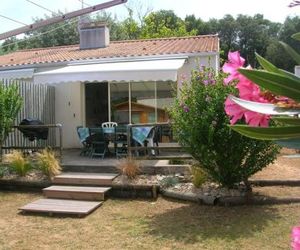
{"x": 38, "y": 133}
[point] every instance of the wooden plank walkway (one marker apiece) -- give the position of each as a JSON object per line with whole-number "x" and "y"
{"x": 76, "y": 192}
{"x": 77, "y": 178}
{"x": 59, "y": 206}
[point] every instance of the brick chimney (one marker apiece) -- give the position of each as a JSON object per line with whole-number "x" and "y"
{"x": 93, "y": 35}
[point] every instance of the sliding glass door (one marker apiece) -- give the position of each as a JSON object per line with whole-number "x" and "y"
{"x": 140, "y": 102}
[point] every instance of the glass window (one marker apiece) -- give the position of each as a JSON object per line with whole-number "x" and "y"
{"x": 165, "y": 93}
{"x": 119, "y": 97}
{"x": 143, "y": 101}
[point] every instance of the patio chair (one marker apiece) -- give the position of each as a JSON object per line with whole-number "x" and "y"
{"x": 83, "y": 134}
{"x": 109, "y": 124}
{"x": 99, "y": 144}
{"x": 120, "y": 141}
{"x": 153, "y": 138}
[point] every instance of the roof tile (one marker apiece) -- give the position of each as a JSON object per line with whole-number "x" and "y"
{"x": 147, "y": 47}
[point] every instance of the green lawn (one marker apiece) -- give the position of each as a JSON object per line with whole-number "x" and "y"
{"x": 144, "y": 224}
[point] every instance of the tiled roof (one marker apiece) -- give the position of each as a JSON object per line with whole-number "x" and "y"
{"x": 148, "y": 47}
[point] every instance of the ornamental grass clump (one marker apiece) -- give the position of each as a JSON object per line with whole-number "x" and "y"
{"x": 18, "y": 162}
{"x": 129, "y": 167}
{"x": 200, "y": 125}
{"x": 48, "y": 163}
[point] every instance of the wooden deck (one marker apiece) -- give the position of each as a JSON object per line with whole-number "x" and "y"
{"x": 100, "y": 179}
{"x": 59, "y": 206}
{"x": 76, "y": 192}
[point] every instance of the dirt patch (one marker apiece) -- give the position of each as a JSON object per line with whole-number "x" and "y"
{"x": 284, "y": 168}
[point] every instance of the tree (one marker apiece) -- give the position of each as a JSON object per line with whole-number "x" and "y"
{"x": 196, "y": 26}
{"x": 276, "y": 53}
{"x": 164, "y": 23}
{"x": 253, "y": 36}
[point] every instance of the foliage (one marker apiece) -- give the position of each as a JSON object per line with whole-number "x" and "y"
{"x": 200, "y": 125}
{"x": 199, "y": 176}
{"x": 10, "y": 105}
{"x": 163, "y": 23}
{"x": 18, "y": 162}
{"x": 276, "y": 53}
{"x": 48, "y": 163}
{"x": 169, "y": 181}
{"x": 129, "y": 167}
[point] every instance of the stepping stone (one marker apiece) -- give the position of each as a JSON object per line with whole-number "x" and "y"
{"x": 60, "y": 206}
{"x": 77, "y": 178}
{"x": 76, "y": 192}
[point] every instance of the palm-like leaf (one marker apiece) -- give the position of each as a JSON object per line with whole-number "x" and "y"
{"x": 291, "y": 52}
{"x": 271, "y": 133}
{"x": 263, "y": 108}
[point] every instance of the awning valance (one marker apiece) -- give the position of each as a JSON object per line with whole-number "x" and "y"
{"x": 16, "y": 74}
{"x": 152, "y": 70}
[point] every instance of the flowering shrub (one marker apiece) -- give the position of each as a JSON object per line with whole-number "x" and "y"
{"x": 201, "y": 126}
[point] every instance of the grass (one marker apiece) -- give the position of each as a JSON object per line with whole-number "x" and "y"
{"x": 147, "y": 224}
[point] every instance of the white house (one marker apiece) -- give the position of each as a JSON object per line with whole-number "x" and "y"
{"x": 122, "y": 81}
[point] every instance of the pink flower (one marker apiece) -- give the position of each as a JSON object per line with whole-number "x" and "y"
{"x": 256, "y": 119}
{"x": 235, "y": 61}
{"x": 296, "y": 238}
{"x": 247, "y": 90}
{"x": 234, "y": 111}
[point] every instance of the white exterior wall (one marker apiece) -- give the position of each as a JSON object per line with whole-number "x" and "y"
{"x": 69, "y": 109}
{"x": 195, "y": 62}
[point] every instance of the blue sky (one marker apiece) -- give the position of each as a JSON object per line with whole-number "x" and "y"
{"x": 274, "y": 10}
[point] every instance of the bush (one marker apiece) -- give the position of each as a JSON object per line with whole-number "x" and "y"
{"x": 200, "y": 125}
{"x": 18, "y": 162}
{"x": 10, "y": 104}
{"x": 169, "y": 181}
{"x": 48, "y": 163}
{"x": 129, "y": 167}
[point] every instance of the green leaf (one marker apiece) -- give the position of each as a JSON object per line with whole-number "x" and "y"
{"x": 291, "y": 52}
{"x": 276, "y": 83}
{"x": 263, "y": 108}
{"x": 270, "y": 133}
{"x": 287, "y": 120}
{"x": 268, "y": 66}
{"x": 296, "y": 36}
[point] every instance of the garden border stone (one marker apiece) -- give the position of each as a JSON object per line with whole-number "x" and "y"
{"x": 118, "y": 190}
{"x": 150, "y": 191}
{"x": 230, "y": 200}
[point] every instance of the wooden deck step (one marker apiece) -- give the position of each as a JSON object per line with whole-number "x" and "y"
{"x": 77, "y": 178}
{"x": 60, "y": 206}
{"x": 76, "y": 192}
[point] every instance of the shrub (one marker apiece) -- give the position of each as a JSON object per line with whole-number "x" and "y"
{"x": 169, "y": 181}
{"x": 198, "y": 175}
{"x": 129, "y": 167}
{"x": 201, "y": 126}
{"x": 18, "y": 162}
{"x": 10, "y": 104}
{"x": 48, "y": 163}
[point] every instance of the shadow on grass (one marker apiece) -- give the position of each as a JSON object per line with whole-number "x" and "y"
{"x": 192, "y": 223}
